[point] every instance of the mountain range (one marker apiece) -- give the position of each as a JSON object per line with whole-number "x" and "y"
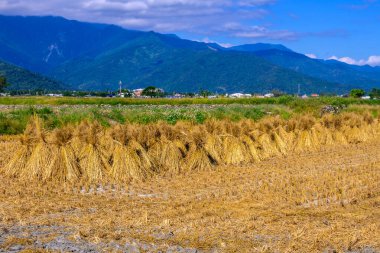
{"x": 91, "y": 56}
{"x": 22, "y": 79}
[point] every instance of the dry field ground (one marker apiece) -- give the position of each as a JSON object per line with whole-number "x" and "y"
{"x": 321, "y": 201}
{"x": 305, "y": 184}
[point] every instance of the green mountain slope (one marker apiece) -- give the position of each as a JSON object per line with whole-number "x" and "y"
{"x": 97, "y": 56}
{"x": 43, "y": 43}
{"x": 259, "y": 47}
{"x": 331, "y": 71}
{"x": 21, "y": 79}
{"x": 152, "y": 60}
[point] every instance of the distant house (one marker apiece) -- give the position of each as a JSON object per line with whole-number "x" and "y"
{"x": 240, "y": 95}
{"x": 237, "y": 95}
{"x": 54, "y": 95}
{"x": 138, "y": 92}
{"x": 314, "y": 95}
{"x": 305, "y": 96}
{"x": 269, "y": 95}
{"x": 178, "y": 95}
{"x": 366, "y": 97}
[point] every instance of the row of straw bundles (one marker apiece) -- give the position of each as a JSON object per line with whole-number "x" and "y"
{"x": 90, "y": 153}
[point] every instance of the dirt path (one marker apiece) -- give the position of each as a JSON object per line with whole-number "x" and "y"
{"x": 312, "y": 202}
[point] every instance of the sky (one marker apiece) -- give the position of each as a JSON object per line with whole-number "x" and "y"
{"x": 345, "y": 30}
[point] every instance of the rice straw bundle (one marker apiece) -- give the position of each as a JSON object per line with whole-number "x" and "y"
{"x": 280, "y": 143}
{"x": 288, "y": 139}
{"x": 304, "y": 141}
{"x": 33, "y": 155}
{"x": 332, "y": 121}
{"x": 147, "y": 135}
{"x": 355, "y": 127}
{"x": 17, "y": 163}
{"x": 251, "y": 147}
{"x": 268, "y": 125}
{"x": 197, "y": 158}
{"x": 235, "y": 152}
{"x": 355, "y": 134}
{"x": 7, "y": 151}
{"x": 93, "y": 160}
{"x": 248, "y": 138}
{"x": 247, "y": 125}
{"x": 268, "y": 146}
{"x": 214, "y": 147}
{"x": 213, "y": 126}
{"x": 339, "y": 137}
{"x": 65, "y": 165}
{"x": 322, "y": 135}
{"x": 130, "y": 160}
{"x": 166, "y": 156}
{"x": 40, "y": 159}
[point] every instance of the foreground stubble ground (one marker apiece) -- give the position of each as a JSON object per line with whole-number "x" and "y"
{"x": 311, "y": 202}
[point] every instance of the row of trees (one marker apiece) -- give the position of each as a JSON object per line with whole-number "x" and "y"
{"x": 152, "y": 91}
{"x": 358, "y": 93}
{"x": 3, "y": 83}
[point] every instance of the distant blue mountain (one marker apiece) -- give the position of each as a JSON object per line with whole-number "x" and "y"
{"x": 96, "y": 56}
{"x": 43, "y": 43}
{"x": 22, "y": 79}
{"x": 365, "y": 77}
{"x": 260, "y": 47}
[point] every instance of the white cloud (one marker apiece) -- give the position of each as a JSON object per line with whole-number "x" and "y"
{"x": 107, "y": 5}
{"x": 196, "y": 17}
{"x": 312, "y": 56}
{"x": 207, "y": 40}
{"x": 257, "y": 32}
{"x": 255, "y": 2}
{"x": 373, "y": 60}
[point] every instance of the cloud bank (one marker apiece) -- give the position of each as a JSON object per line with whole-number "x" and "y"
{"x": 373, "y": 60}
{"x": 235, "y": 19}
{"x": 202, "y": 17}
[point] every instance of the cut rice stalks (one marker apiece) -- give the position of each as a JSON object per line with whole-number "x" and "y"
{"x": 90, "y": 154}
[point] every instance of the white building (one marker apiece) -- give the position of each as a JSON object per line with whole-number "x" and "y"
{"x": 240, "y": 95}
{"x": 269, "y": 95}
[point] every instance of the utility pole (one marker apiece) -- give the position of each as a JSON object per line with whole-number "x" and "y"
{"x": 299, "y": 89}
{"x": 120, "y": 84}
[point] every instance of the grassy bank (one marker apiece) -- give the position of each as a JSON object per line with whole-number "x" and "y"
{"x": 14, "y": 120}
{"x": 285, "y": 100}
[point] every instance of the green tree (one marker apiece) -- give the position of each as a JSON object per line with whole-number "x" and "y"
{"x": 205, "y": 93}
{"x": 357, "y": 93}
{"x": 152, "y": 91}
{"x": 278, "y": 93}
{"x": 375, "y": 93}
{"x": 3, "y": 83}
{"x": 127, "y": 93}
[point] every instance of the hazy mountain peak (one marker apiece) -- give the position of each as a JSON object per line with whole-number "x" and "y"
{"x": 98, "y": 56}
{"x": 259, "y": 47}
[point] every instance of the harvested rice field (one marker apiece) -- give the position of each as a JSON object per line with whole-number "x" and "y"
{"x": 326, "y": 201}
{"x": 305, "y": 184}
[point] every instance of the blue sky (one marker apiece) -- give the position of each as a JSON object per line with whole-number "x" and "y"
{"x": 347, "y": 30}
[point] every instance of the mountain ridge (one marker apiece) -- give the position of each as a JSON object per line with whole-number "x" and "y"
{"x": 22, "y": 79}
{"x": 96, "y": 56}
